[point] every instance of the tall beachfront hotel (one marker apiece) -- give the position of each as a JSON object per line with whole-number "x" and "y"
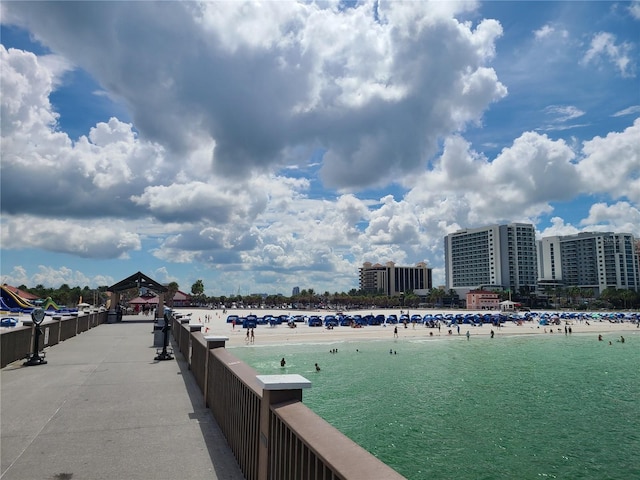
{"x": 496, "y": 256}
{"x": 590, "y": 260}
{"x": 392, "y": 280}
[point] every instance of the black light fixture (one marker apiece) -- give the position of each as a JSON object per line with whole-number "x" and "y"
{"x": 37, "y": 315}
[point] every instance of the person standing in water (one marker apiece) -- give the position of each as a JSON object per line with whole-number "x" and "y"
{"x": 317, "y": 368}
{"x": 282, "y": 362}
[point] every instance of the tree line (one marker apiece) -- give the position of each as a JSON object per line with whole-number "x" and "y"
{"x": 555, "y": 297}
{"x": 70, "y": 296}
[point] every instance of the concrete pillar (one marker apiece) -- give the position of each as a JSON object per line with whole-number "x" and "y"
{"x": 160, "y": 308}
{"x": 275, "y": 389}
{"x": 213, "y": 341}
{"x": 112, "y": 315}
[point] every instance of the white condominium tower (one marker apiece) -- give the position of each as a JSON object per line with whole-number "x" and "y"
{"x": 500, "y": 256}
{"x": 392, "y": 280}
{"x": 593, "y": 260}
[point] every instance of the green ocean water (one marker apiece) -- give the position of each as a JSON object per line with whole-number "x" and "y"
{"x": 521, "y": 407}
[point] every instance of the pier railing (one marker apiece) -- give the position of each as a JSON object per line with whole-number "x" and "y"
{"x": 272, "y": 434}
{"x": 17, "y": 343}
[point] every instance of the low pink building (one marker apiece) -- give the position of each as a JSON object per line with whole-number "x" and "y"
{"x": 180, "y": 299}
{"x": 483, "y": 300}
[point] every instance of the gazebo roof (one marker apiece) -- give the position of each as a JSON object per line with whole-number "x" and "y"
{"x": 138, "y": 280}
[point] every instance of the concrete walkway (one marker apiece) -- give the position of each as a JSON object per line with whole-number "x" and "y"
{"x": 102, "y": 408}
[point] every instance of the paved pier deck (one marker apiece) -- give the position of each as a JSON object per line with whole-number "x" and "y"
{"x": 103, "y": 408}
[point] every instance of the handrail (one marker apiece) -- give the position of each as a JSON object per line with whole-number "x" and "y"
{"x": 272, "y": 434}
{"x": 17, "y": 343}
{"x": 306, "y": 446}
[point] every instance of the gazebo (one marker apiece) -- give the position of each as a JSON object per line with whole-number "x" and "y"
{"x": 138, "y": 280}
{"x": 508, "y": 306}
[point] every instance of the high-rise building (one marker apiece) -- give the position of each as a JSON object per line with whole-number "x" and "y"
{"x": 392, "y": 280}
{"x": 295, "y": 291}
{"x": 638, "y": 255}
{"x": 496, "y": 256}
{"x": 590, "y": 260}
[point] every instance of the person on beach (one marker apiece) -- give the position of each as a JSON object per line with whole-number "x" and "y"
{"x": 395, "y": 332}
{"x": 253, "y": 337}
{"x": 247, "y": 337}
{"x": 282, "y": 362}
{"x": 492, "y": 333}
{"x": 468, "y": 335}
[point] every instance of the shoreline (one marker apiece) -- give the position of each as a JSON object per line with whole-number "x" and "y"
{"x": 214, "y": 323}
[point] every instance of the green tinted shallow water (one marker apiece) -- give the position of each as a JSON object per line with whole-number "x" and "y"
{"x": 564, "y": 407}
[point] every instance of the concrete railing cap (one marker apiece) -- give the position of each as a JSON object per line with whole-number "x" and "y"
{"x": 291, "y": 381}
{"x": 216, "y": 338}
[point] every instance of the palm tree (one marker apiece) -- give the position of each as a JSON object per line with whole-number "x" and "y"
{"x": 627, "y": 297}
{"x": 311, "y": 294}
{"x": 172, "y": 289}
{"x": 436, "y": 295}
{"x": 573, "y": 293}
{"x": 586, "y": 293}
{"x": 611, "y": 295}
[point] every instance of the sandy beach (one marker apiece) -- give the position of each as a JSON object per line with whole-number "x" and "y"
{"x": 214, "y": 322}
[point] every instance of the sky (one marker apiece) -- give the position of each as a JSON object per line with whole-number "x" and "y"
{"x": 261, "y": 146}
